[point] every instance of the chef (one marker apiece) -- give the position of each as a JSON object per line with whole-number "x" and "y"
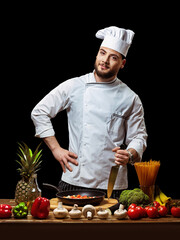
{"x": 103, "y": 113}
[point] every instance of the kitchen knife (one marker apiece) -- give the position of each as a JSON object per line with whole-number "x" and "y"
{"x": 113, "y": 175}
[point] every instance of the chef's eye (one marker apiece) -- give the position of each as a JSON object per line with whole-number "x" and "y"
{"x": 102, "y": 52}
{"x": 114, "y": 58}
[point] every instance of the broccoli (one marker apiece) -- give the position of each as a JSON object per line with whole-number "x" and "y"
{"x": 136, "y": 196}
{"x": 123, "y": 197}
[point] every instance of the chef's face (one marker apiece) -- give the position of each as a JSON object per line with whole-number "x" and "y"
{"x": 108, "y": 63}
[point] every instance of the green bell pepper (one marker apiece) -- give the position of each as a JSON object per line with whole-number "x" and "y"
{"x": 20, "y": 211}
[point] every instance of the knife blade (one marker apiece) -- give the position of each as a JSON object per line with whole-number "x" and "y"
{"x": 113, "y": 175}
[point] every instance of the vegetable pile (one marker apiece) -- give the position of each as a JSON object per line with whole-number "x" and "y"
{"x": 136, "y": 196}
{"x": 154, "y": 210}
{"x": 78, "y": 196}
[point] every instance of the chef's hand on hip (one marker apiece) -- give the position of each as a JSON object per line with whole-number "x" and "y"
{"x": 64, "y": 156}
{"x": 121, "y": 156}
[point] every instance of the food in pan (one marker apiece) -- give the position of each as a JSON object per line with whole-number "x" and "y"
{"x": 78, "y": 197}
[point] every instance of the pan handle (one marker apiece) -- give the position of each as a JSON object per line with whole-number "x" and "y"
{"x": 50, "y": 186}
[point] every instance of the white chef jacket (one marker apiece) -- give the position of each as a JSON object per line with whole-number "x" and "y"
{"x": 100, "y": 117}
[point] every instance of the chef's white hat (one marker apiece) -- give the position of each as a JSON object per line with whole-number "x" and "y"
{"x": 118, "y": 39}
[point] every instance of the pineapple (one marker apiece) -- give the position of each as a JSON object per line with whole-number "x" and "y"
{"x": 27, "y": 189}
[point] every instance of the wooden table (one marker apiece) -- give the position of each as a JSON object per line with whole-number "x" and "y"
{"x": 145, "y": 228}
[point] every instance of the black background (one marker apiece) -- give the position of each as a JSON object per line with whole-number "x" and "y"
{"x": 45, "y": 45}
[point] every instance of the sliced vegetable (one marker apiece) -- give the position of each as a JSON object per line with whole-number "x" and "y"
{"x": 78, "y": 196}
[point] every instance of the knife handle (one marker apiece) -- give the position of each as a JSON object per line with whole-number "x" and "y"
{"x": 123, "y": 146}
{"x": 114, "y": 208}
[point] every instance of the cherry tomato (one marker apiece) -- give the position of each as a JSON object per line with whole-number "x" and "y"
{"x": 175, "y": 211}
{"x": 156, "y": 204}
{"x": 132, "y": 205}
{"x": 152, "y": 212}
{"x": 133, "y": 213}
{"x": 162, "y": 211}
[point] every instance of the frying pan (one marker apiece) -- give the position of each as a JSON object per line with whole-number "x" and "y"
{"x": 98, "y": 196}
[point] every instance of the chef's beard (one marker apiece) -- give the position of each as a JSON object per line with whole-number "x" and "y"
{"x": 103, "y": 74}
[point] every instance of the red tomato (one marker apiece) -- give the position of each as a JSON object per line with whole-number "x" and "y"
{"x": 133, "y": 213}
{"x": 143, "y": 212}
{"x": 140, "y": 210}
{"x": 152, "y": 212}
{"x": 156, "y": 204}
{"x": 162, "y": 211}
{"x": 146, "y": 208}
{"x": 175, "y": 211}
{"x": 132, "y": 205}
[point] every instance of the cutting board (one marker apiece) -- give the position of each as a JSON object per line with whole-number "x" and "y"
{"x": 106, "y": 203}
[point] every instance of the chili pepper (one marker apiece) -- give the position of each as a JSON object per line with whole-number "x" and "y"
{"x": 20, "y": 211}
{"x": 5, "y": 211}
{"x": 40, "y": 207}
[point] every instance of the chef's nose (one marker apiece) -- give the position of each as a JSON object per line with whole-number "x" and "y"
{"x": 106, "y": 59}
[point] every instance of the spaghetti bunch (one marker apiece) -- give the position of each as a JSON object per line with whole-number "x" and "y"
{"x": 147, "y": 172}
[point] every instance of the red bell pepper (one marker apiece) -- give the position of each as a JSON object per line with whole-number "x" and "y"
{"x": 40, "y": 208}
{"x": 5, "y": 211}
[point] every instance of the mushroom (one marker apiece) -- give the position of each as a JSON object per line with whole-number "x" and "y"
{"x": 103, "y": 213}
{"x": 121, "y": 212}
{"x": 89, "y": 211}
{"x": 60, "y": 212}
{"x": 75, "y": 212}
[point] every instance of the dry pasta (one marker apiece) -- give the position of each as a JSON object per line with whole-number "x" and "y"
{"x": 147, "y": 172}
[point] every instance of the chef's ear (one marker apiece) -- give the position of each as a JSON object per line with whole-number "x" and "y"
{"x": 123, "y": 63}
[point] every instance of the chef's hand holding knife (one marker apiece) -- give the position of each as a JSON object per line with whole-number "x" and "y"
{"x": 121, "y": 155}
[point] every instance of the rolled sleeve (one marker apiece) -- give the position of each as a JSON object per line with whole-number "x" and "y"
{"x": 42, "y": 123}
{"x": 54, "y": 102}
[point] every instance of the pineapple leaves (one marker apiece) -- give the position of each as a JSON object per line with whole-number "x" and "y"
{"x": 29, "y": 161}
{"x": 30, "y": 152}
